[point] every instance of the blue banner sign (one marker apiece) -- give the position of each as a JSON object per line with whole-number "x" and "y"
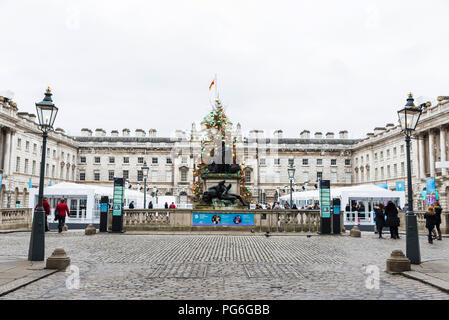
{"x": 400, "y": 186}
{"x": 223, "y": 219}
{"x": 382, "y": 185}
{"x": 430, "y": 185}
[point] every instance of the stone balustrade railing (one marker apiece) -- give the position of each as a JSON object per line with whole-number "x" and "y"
{"x": 181, "y": 219}
{"x": 15, "y": 218}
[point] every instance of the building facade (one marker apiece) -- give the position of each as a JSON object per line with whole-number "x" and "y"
{"x": 96, "y": 157}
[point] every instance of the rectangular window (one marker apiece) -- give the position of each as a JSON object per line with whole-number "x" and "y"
{"x": 83, "y": 159}
{"x": 348, "y": 178}
{"x": 48, "y": 152}
{"x": 381, "y": 155}
{"x": 402, "y": 149}
{"x": 19, "y": 143}
{"x": 18, "y": 164}
{"x": 140, "y": 160}
{"x": 306, "y": 176}
{"x": 169, "y": 161}
{"x": 262, "y": 161}
{"x": 319, "y": 162}
{"x": 183, "y": 175}
{"x": 277, "y": 161}
{"x": 376, "y": 174}
{"x": 111, "y": 159}
{"x": 154, "y": 160}
{"x": 333, "y": 177}
{"x": 388, "y": 172}
{"x": 319, "y": 175}
{"x": 388, "y": 153}
{"x": 27, "y": 146}
{"x": 305, "y": 162}
{"x": 347, "y": 162}
{"x": 125, "y": 174}
{"x": 402, "y": 169}
{"x": 35, "y": 148}
{"x": 54, "y": 154}
{"x": 168, "y": 176}
{"x": 382, "y": 176}
{"x": 125, "y": 159}
{"x": 333, "y": 162}
{"x": 25, "y": 170}
{"x": 248, "y": 176}
{"x": 395, "y": 170}
{"x": 291, "y": 162}
{"x": 139, "y": 175}
{"x": 47, "y": 169}
{"x": 394, "y": 152}
{"x": 53, "y": 169}
{"x": 97, "y": 160}
{"x": 111, "y": 175}
{"x": 33, "y": 168}
{"x": 97, "y": 175}
{"x": 375, "y": 156}
{"x": 82, "y": 175}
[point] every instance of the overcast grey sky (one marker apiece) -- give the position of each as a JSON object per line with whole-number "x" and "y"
{"x": 290, "y": 65}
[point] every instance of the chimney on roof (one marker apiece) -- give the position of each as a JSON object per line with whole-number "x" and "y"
{"x": 125, "y": 132}
{"x": 140, "y": 133}
{"x": 100, "y": 132}
{"x": 114, "y": 133}
{"x": 343, "y": 134}
{"x": 305, "y": 134}
{"x": 152, "y": 132}
{"x": 86, "y": 132}
{"x": 379, "y": 130}
{"x": 329, "y": 135}
{"x": 318, "y": 135}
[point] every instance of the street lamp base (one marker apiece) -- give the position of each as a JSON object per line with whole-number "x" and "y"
{"x": 412, "y": 240}
{"x": 36, "y": 251}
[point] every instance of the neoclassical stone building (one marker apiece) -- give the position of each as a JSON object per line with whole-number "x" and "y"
{"x": 96, "y": 157}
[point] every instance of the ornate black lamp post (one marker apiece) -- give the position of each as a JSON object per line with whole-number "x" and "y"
{"x": 145, "y": 169}
{"x": 408, "y": 118}
{"x": 46, "y": 113}
{"x": 291, "y": 176}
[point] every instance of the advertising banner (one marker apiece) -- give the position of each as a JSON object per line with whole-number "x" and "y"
{"x": 118, "y": 197}
{"x": 382, "y": 185}
{"x": 223, "y": 219}
{"x": 400, "y": 186}
{"x": 430, "y": 185}
{"x": 325, "y": 199}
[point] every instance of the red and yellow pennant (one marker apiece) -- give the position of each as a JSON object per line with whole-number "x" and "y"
{"x": 213, "y": 83}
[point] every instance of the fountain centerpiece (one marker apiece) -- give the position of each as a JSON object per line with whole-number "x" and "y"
{"x": 219, "y": 182}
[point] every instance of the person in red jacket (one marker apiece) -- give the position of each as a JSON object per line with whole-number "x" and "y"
{"x": 46, "y": 207}
{"x": 172, "y": 206}
{"x": 61, "y": 209}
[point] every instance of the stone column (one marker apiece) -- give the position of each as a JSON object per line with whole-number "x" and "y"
{"x": 443, "y": 148}
{"x": 431, "y": 153}
{"x": 2, "y": 141}
{"x": 421, "y": 156}
{"x": 8, "y": 149}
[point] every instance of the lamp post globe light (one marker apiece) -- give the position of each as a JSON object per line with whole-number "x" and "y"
{"x": 408, "y": 118}
{"x": 46, "y": 114}
{"x": 145, "y": 169}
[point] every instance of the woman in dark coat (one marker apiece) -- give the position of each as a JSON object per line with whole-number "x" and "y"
{"x": 431, "y": 220}
{"x": 392, "y": 219}
{"x": 379, "y": 218}
{"x": 438, "y": 211}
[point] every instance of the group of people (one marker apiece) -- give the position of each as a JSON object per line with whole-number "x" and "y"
{"x": 433, "y": 221}
{"x": 150, "y": 205}
{"x": 61, "y": 211}
{"x": 387, "y": 216}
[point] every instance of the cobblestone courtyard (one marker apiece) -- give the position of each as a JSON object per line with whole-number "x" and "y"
{"x": 156, "y": 266}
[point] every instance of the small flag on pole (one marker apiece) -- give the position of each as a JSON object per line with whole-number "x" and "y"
{"x": 211, "y": 85}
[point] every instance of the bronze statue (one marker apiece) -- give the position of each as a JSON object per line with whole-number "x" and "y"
{"x": 220, "y": 191}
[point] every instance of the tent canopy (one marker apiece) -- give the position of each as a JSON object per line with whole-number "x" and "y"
{"x": 362, "y": 192}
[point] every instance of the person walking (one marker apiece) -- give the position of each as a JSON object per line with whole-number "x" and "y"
{"x": 46, "y": 207}
{"x": 131, "y": 205}
{"x": 150, "y": 205}
{"x": 166, "y": 205}
{"x": 438, "y": 211}
{"x": 379, "y": 218}
{"x": 392, "y": 219}
{"x": 172, "y": 206}
{"x": 430, "y": 217}
{"x": 61, "y": 210}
